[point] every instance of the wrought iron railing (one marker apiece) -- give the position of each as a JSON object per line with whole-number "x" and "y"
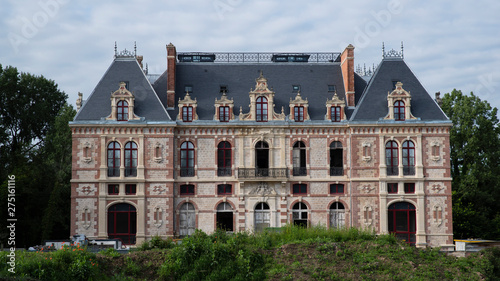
{"x": 300, "y": 171}
{"x": 408, "y": 170}
{"x": 113, "y": 172}
{"x": 259, "y": 57}
{"x": 187, "y": 172}
{"x": 131, "y": 172}
{"x": 336, "y": 171}
{"x": 392, "y": 171}
{"x": 259, "y": 173}
{"x": 224, "y": 172}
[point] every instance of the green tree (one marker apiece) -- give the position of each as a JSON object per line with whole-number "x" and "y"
{"x": 29, "y": 105}
{"x": 475, "y": 165}
{"x": 57, "y": 151}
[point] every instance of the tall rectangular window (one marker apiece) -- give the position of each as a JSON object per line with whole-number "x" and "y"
{"x": 224, "y": 113}
{"x": 335, "y": 113}
{"x": 187, "y": 113}
{"x": 298, "y": 113}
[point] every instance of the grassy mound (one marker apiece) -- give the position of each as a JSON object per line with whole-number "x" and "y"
{"x": 291, "y": 253}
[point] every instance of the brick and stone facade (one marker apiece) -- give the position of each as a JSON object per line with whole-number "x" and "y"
{"x": 272, "y": 172}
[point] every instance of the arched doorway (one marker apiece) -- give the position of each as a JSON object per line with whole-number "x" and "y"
{"x": 337, "y": 215}
{"x": 122, "y": 223}
{"x": 225, "y": 216}
{"x": 262, "y": 216}
{"x": 402, "y": 221}
{"x": 299, "y": 212}
{"x": 187, "y": 219}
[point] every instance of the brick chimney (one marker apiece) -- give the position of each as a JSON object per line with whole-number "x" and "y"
{"x": 171, "y": 65}
{"x": 347, "y": 66}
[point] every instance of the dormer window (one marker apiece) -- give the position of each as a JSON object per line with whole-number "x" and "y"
{"x": 261, "y": 103}
{"x": 331, "y": 89}
{"x": 122, "y": 111}
{"x": 187, "y": 113}
{"x": 295, "y": 88}
{"x": 122, "y": 104}
{"x": 223, "y": 89}
{"x": 335, "y": 108}
{"x": 224, "y": 108}
{"x": 399, "y": 104}
{"x": 261, "y": 109}
{"x": 188, "y": 89}
{"x": 399, "y": 111}
{"x": 187, "y": 109}
{"x": 298, "y": 109}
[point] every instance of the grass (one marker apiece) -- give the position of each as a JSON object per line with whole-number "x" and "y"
{"x": 289, "y": 254}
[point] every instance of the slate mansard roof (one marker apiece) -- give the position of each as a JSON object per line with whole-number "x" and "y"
{"x": 123, "y": 69}
{"x": 206, "y": 78}
{"x": 373, "y": 103}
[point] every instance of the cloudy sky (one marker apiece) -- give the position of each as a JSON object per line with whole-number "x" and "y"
{"x": 447, "y": 44}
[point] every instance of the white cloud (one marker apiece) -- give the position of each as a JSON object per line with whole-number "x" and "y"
{"x": 447, "y": 44}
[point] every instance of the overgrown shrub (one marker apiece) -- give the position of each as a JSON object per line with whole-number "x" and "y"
{"x": 219, "y": 256}
{"x": 156, "y": 243}
{"x": 69, "y": 263}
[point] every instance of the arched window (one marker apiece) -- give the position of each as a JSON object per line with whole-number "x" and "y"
{"x": 391, "y": 158}
{"x": 122, "y": 223}
{"x": 299, "y": 159}
{"x": 337, "y": 215}
{"x": 224, "y": 159}
{"x": 187, "y": 159}
{"x": 225, "y": 216}
{"x": 335, "y": 113}
{"x": 402, "y": 221}
{"x": 336, "y": 159}
{"x": 299, "y": 212}
{"x": 122, "y": 111}
{"x": 399, "y": 111}
{"x": 408, "y": 158}
{"x": 114, "y": 159}
{"x": 262, "y": 159}
{"x": 298, "y": 113}
{"x": 261, "y": 109}
{"x": 262, "y": 216}
{"x": 187, "y": 219}
{"x": 130, "y": 159}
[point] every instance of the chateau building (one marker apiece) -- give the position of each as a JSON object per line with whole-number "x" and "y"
{"x": 247, "y": 141}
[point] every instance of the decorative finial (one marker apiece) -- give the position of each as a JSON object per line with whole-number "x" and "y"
{"x": 402, "y": 56}
{"x": 383, "y": 50}
{"x": 135, "y": 49}
{"x": 116, "y": 50}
